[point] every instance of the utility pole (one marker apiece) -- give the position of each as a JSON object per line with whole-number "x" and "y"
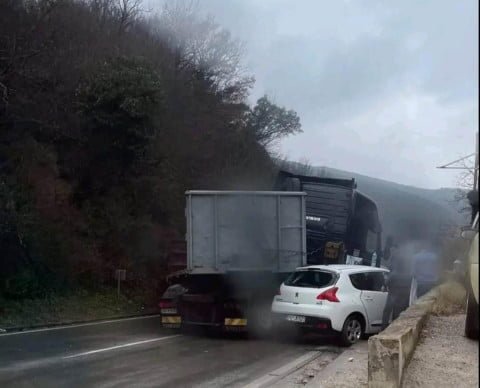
{"x": 475, "y": 171}
{"x": 453, "y": 166}
{"x": 474, "y": 192}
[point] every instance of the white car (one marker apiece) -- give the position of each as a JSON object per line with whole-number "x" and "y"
{"x": 348, "y": 299}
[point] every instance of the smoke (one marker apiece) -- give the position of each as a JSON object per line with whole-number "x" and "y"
{"x": 402, "y": 255}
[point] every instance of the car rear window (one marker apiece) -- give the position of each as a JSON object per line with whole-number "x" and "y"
{"x": 311, "y": 278}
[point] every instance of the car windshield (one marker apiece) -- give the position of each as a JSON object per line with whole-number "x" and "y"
{"x": 311, "y": 278}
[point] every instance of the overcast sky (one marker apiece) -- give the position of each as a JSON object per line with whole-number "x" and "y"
{"x": 383, "y": 88}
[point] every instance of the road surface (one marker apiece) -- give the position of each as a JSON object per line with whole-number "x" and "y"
{"x": 138, "y": 353}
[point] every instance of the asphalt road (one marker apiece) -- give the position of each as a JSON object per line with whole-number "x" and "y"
{"x": 138, "y": 353}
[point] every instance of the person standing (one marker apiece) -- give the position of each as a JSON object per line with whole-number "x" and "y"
{"x": 398, "y": 284}
{"x": 388, "y": 252}
{"x": 425, "y": 271}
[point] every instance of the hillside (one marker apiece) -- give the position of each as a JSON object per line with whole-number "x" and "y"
{"x": 107, "y": 116}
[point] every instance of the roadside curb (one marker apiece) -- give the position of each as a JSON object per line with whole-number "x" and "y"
{"x": 341, "y": 365}
{"x": 71, "y": 323}
{"x": 275, "y": 376}
{"x": 390, "y": 351}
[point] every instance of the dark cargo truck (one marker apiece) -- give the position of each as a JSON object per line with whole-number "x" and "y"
{"x": 340, "y": 220}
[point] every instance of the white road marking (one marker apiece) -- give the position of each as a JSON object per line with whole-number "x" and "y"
{"x": 79, "y": 325}
{"x": 120, "y": 346}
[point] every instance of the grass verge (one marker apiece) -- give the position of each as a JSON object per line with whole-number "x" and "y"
{"x": 79, "y": 306}
{"x": 451, "y": 299}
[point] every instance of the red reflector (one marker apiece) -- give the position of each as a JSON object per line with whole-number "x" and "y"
{"x": 322, "y": 326}
{"x": 164, "y": 304}
{"x": 330, "y": 295}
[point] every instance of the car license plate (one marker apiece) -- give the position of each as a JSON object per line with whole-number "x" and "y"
{"x": 296, "y": 318}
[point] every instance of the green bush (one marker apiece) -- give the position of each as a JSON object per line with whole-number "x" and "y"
{"x": 24, "y": 285}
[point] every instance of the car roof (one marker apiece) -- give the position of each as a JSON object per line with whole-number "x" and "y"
{"x": 344, "y": 268}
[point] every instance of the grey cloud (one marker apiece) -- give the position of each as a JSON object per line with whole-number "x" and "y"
{"x": 342, "y": 80}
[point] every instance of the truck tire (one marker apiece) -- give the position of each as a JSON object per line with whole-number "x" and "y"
{"x": 471, "y": 321}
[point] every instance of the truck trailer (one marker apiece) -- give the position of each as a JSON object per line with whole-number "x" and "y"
{"x": 240, "y": 247}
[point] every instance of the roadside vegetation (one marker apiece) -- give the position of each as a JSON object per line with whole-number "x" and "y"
{"x": 77, "y": 306}
{"x": 107, "y": 115}
{"x": 451, "y": 300}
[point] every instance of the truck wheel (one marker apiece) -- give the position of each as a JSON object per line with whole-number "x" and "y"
{"x": 471, "y": 321}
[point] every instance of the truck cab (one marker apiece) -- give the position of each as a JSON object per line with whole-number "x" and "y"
{"x": 341, "y": 221}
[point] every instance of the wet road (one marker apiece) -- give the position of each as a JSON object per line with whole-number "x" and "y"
{"x": 138, "y": 353}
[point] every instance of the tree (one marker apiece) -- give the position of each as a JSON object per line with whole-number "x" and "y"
{"x": 106, "y": 119}
{"x": 124, "y": 12}
{"x": 119, "y": 103}
{"x": 269, "y": 122}
{"x": 200, "y": 43}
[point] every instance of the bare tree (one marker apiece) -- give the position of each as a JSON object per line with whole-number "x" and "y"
{"x": 201, "y": 43}
{"x": 102, "y": 9}
{"x": 128, "y": 11}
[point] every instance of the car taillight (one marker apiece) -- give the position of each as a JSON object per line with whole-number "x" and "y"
{"x": 165, "y": 304}
{"x": 330, "y": 295}
{"x": 278, "y": 292}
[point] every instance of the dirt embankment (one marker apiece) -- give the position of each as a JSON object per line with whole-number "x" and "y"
{"x": 444, "y": 357}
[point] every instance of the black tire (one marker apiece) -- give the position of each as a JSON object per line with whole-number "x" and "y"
{"x": 353, "y": 330}
{"x": 471, "y": 321}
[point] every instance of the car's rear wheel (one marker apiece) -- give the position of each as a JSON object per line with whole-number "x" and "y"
{"x": 471, "y": 321}
{"x": 352, "y": 331}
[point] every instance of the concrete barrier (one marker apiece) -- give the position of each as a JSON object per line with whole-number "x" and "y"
{"x": 390, "y": 351}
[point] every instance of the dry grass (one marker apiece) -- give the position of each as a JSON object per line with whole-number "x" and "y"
{"x": 451, "y": 299}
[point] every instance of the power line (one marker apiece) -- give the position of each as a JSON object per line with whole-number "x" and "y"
{"x": 456, "y": 161}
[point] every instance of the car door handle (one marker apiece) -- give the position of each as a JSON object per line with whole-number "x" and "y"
{"x": 367, "y": 298}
